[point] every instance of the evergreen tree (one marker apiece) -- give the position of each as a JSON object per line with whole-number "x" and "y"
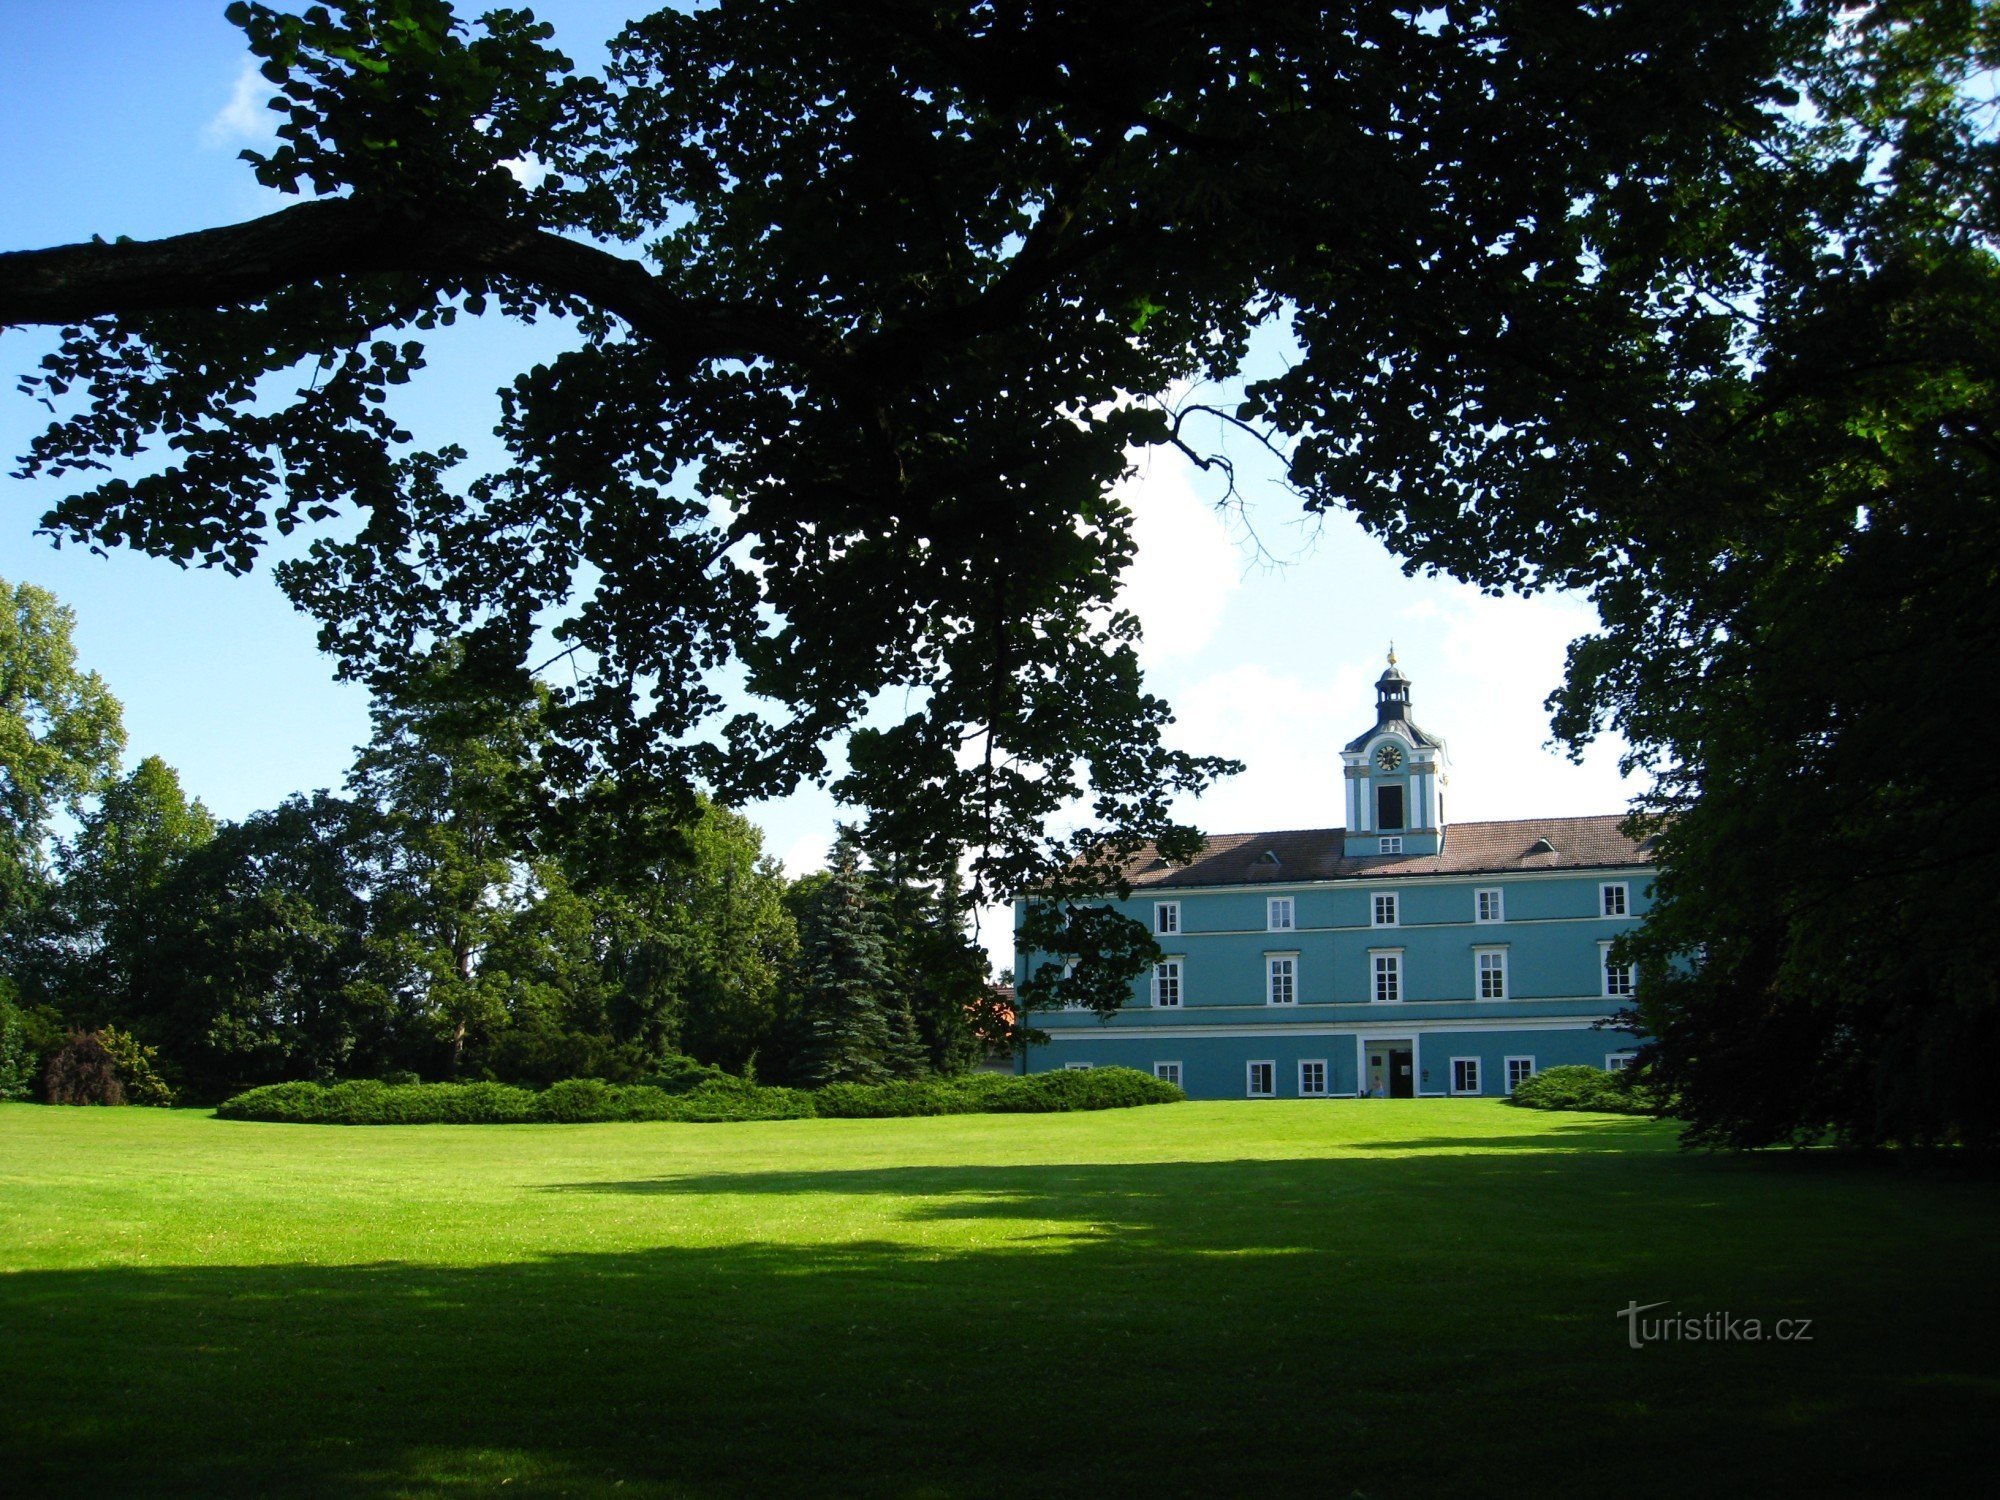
{"x": 847, "y": 985}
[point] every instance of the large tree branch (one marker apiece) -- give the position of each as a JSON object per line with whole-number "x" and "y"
{"x": 331, "y": 238}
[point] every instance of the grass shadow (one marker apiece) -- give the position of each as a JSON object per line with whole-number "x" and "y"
{"x": 1405, "y": 1326}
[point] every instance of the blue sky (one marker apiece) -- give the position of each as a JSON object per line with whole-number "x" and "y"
{"x": 125, "y": 117}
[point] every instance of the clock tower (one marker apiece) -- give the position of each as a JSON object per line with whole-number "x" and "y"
{"x": 1395, "y": 776}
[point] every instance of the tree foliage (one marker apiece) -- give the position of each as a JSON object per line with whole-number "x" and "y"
{"x": 1687, "y": 307}
{"x": 61, "y": 733}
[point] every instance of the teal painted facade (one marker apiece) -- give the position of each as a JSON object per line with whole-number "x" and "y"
{"x": 1444, "y": 967}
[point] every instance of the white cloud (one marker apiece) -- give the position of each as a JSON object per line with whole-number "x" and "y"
{"x": 244, "y": 119}
{"x": 1187, "y": 564}
{"x": 1480, "y": 670}
{"x": 1288, "y": 734}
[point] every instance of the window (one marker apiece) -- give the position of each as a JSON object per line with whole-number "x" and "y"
{"x": 1490, "y": 966}
{"x": 1166, "y": 916}
{"x": 1388, "y": 975}
{"x": 1076, "y": 1067}
{"x": 1489, "y": 905}
{"x": 1618, "y": 1062}
{"x": 1519, "y": 1071}
{"x": 1393, "y": 846}
{"x": 1312, "y": 1079}
{"x": 1261, "y": 1080}
{"x": 1611, "y": 899}
{"x": 1619, "y": 979}
{"x": 1281, "y": 978}
{"x": 1168, "y": 1072}
{"x": 1388, "y": 807}
{"x": 1278, "y": 914}
{"x": 1386, "y": 908}
{"x": 1068, "y": 972}
{"x": 1465, "y": 1075}
{"x": 1167, "y": 982}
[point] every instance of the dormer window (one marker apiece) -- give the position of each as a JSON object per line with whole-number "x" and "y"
{"x": 1541, "y": 846}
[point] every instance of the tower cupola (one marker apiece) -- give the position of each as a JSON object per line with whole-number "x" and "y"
{"x": 1395, "y": 775}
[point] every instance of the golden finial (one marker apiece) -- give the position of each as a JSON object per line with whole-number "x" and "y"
{"x": 1392, "y": 653}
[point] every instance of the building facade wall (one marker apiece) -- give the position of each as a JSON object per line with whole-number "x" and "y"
{"x": 1552, "y": 936}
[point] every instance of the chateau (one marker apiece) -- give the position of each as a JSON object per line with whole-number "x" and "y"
{"x": 1398, "y": 956}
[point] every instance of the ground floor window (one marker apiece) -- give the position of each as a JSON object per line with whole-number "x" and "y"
{"x": 1465, "y": 1075}
{"x": 1615, "y": 1062}
{"x": 1312, "y": 1079}
{"x": 1519, "y": 1071}
{"x": 1168, "y": 1072}
{"x": 1076, "y": 1067}
{"x": 1262, "y": 1080}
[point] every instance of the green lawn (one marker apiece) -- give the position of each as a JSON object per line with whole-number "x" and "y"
{"x": 1389, "y": 1298}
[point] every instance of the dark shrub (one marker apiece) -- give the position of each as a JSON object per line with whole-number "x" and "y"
{"x": 83, "y": 1071}
{"x": 1578, "y": 1086}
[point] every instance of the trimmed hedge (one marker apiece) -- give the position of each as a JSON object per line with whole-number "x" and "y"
{"x": 1579, "y": 1086}
{"x": 712, "y": 1099}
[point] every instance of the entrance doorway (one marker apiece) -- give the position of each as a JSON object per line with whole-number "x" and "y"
{"x": 1391, "y": 1070}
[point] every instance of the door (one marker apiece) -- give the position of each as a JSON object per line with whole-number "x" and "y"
{"x": 1378, "y": 1073}
{"x": 1402, "y": 1079}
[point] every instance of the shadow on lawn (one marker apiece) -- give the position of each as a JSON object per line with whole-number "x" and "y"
{"x": 1411, "y": 1326}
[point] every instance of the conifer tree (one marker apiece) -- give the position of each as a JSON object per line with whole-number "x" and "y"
{"x": 846, "y": 989}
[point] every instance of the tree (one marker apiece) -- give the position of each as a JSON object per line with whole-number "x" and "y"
{"x": 1561, "y": 280}
{"x": 852, "y": 1022}
{"x": 1799, "y": 667}
{"x": 939, "y": 971}
{"x": 914, "y": 276}
{"x": 61, "y": 733}
{"x": 112, "y": 910}
{"x": 446, "y": 782}
{"x": 265, "y": 970}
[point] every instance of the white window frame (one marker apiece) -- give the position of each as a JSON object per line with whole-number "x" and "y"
{"x": 1480, "y": 969}
{"x": 1618, "y": 1062}
{"x": 1375, "y": 972}
{"x": 1324, "y": 1075}
{"x": 1477, "y": 1081}
{"x": 1619, "y": 891}
{"x": 1378, "y": 902}
{"x": 1531, "y": 1070}
{"x": 1489, "y": 905}
{"x": 1274, "y": 908}
{"x": 1078, "y": 1067}
{"x": 1175, "y": 1080}
{"x": 1290, "y": 961}
{"x": 1167, "y": 918}
{"x": 1391, "y": 843}
{"x": 1604, "y": 968}
{"x": 1250, "y": 1078}
{"x": 1172, "y": 961}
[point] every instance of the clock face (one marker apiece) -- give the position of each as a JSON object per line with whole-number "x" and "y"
{"x": 1388, "y": 757}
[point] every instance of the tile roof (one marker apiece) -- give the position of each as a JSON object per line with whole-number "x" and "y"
{"x": 1469, "y": 849}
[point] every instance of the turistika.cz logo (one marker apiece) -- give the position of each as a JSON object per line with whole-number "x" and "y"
{"x": 1708, "y": 1328}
